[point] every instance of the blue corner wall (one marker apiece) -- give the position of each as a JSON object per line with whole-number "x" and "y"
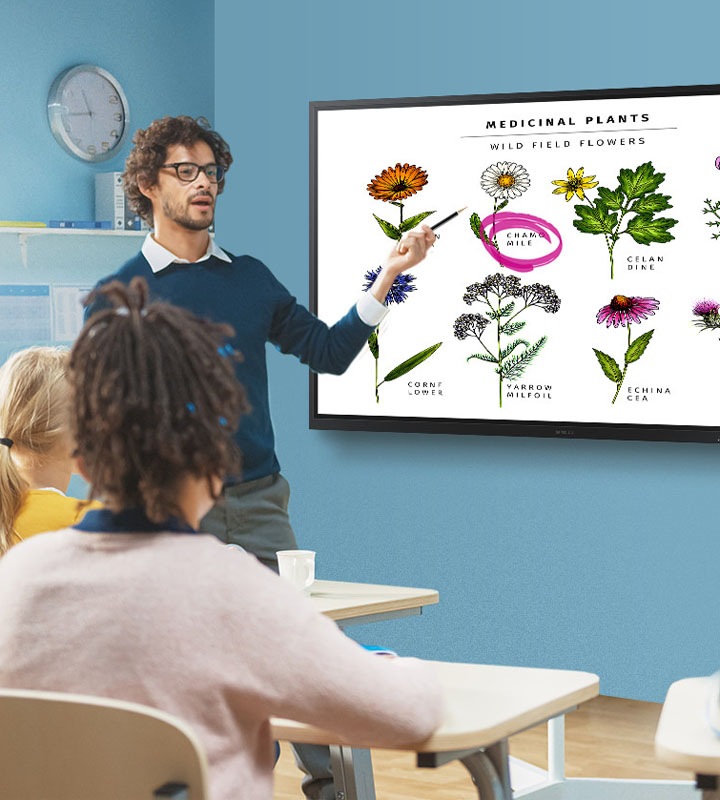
{"x": 595, "y": 555}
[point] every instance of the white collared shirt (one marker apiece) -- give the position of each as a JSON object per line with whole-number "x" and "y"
{"x": 370, "y": 310}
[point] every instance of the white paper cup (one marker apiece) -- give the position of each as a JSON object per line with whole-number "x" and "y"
{"x": 297, "y": 567}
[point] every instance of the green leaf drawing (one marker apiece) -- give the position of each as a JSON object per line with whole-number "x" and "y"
{"x": 644, "y": 229}
{"x": 374, "y": 345}
{"x": 388, "y": 228}
{"x": 505, "y": 352}
{"x": 643, "y": 180}
{"x": 515, "y": 366}
{"x": 637, "y": 348}
{"x": 612, "y": 200}
{"x": 502, "y": 205}
{"x": 512, "y": 328}
{"x": 507, "y": 310}
{"x": 609, "y": 366}
{"x": 651, "y": 204}
{"x": 483, "y": 357}
{"x": 411, "y": 363}
{"x": 413, "y": 222}
{"x": 594, "y": 220}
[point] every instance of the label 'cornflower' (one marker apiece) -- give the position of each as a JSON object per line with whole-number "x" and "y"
{"x": 397, "y": 183}
{"x": 401, "y": 286}
{"x": 622, "y": 310}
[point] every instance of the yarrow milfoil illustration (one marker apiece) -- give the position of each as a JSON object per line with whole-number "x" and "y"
{"x": 635, "y": 195}
{"x": 708, "y": 315}
{"x": 620, "y": 312}
{"x": 505, "y": 299}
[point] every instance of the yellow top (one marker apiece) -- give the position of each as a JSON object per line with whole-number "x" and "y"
{"x": 49, "y": 510}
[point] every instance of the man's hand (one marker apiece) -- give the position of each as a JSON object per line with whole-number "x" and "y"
{"x": 410, "y": 250}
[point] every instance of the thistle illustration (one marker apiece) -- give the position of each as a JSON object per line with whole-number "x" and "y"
{"x": 620, "y": 312}
{"x": 708, "y": 314}
{"x": 505, "y": 299}
{"x": 635, "y": 195}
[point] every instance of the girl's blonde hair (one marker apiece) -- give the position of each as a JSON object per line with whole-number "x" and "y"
{"x": 34, "y": 405}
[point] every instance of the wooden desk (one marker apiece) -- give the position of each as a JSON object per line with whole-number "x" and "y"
{"x": 684, "y": 738}
{"x": 360, "y": 603}
{"x": 485, "y": 705}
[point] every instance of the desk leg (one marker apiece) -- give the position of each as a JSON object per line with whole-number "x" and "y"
{"x": 708, "y": 785}
{"x": 556, "y": 749}
{"x": 490, "y": 771}
{"x": 352, "y": 773}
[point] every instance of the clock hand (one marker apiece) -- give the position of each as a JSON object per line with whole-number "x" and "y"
{"x": 87, "y": 105}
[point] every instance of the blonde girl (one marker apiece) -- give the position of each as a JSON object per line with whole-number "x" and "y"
{"x": 35, "y": 445}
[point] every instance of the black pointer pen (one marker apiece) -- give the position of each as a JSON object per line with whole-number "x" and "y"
{"x": 447, "y": 219}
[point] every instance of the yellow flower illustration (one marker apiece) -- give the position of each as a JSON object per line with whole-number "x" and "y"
{"x": 576, "y": 183}
{"x": 397, "y": 183}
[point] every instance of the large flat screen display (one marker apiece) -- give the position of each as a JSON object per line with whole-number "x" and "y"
{"x": 575, "y": 294}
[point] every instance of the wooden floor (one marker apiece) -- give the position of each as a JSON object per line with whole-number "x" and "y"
{"x": 605, "y": 738}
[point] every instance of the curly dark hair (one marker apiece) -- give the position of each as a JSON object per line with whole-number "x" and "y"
{"x": 151, "y": 146}
{"x": 155, "y": 397}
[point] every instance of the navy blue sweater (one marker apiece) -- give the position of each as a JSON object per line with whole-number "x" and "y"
{"x": 245, "y": 294}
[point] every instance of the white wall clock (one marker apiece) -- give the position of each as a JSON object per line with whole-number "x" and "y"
{"x": 88, "y": 112}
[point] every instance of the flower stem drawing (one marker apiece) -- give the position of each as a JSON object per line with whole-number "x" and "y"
{"x": 635, "y": 195}
{"x": 504, "y": 299}
{"x": 621, "y": 311}
{"x": 714, "y": 209}
{"x": 393, "y": 185}
{"x": 398, "y": 293}
{"x": 503, "y": 181}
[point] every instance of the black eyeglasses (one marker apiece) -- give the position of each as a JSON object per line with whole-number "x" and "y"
{"x": 187, "y": 171}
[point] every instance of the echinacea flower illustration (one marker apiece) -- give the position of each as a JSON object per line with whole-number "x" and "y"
{"x": 708, "y": 313}
{"x": 393, "y": 185}
{"x": 398, "y": 293}
{"x": 635, "y": 195}
{"x": 505, "y": 180}
{"x": 576, "y": 183}
{"x": 620, "y": 312}
{"x": 502, "y": 296}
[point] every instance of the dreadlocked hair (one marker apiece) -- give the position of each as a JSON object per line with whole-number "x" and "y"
{"x": 156, "y": 399}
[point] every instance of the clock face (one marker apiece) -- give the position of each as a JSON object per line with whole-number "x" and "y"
{"x": 88, "y": 112}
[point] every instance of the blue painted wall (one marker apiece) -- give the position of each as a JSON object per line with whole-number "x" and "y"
{"x": 579, "y": 554}
{"x": 161, "y": 52}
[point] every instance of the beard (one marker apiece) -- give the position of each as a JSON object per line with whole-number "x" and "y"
{"x": 181, "y": 215}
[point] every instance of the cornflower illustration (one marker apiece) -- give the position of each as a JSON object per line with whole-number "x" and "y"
{"x": 393, "y": 185}
{"x": 620, "y": 312}
{"x": 397, "y": 294}
{"x": 505, "y": 299}
{"x": 708, "y": 313}
{"x": 605, "y": 215}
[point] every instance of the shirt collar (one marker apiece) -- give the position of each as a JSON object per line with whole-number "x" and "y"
{"x": 160, "y": 257}
{"x": 130, "y": 520}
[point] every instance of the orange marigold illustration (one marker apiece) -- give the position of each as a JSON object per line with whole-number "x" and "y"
{"x": 397, "y": 183}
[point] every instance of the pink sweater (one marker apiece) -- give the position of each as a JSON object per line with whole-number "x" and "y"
{"x": 178, "y": 622}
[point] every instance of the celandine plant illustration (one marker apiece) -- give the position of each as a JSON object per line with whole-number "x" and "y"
{"x": 708, "y": 313}
{"x": 504, "y": 299}
{"x": 393, "y": 185}
{"x": 713, "y": 209}
{"x": 633, "y": 203}
{"x": 399, "y": 291}
{"x": 620, "y": 312}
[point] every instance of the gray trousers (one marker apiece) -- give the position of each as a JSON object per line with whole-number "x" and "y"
{"x": 255, "y": 516}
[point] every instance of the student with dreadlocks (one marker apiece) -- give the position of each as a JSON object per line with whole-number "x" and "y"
{"x": 134, "y": 603}
{"x": 36, "y": 460}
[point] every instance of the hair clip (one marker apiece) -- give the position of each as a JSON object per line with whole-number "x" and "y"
{"x": 223, "y": 422}
{"x": 190, "y": 407}
{"x": 122, "y": 311}
{"x": 7, "y": 442}
{"x": 226, "y": 350}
